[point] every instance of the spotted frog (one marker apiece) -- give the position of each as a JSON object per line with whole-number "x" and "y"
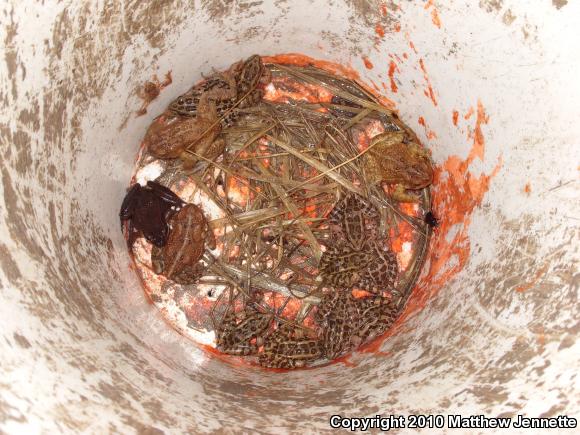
{"x": 393, "y": 159}
{"x": 338, "y": 316}
{"x": 376, "y": 315}
{"x": 347, "y": 322}
{"x": 288, "y": 347}
{"x": 179, "y": 259}
{"x": 355, "y": 257}
{"x": 241, "y": 333}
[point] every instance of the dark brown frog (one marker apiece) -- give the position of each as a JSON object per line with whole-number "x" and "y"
{"x": 147, "y": 208}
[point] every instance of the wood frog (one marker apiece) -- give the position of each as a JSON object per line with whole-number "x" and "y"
{"x": 393, "y": 159}
{"x": 288, "y": 347}
{"x": 147, "y": 209}
{"x": 170, "y": 138}
{"x": 179, "y": 259}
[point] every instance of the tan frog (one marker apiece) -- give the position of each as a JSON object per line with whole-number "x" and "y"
{"x": 170, "y": 138}
{"x": 179, "y": 259}
{"x": 393, "y": 159}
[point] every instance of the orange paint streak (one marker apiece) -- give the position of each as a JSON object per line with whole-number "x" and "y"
{"x": 478, "y": 140}
{"x": 435, "y": 18}
{"x": 469, "y": 113}
{"x": 397, "y": 27}
{"x": 380, "y": 30}
{"x": 428, "y": 132}
{"x": 413, "y": 47}
{"x": 345, "y": 360}
{"x": 429, "y": 91}
{"x": 524, "y": 287}
{"x": 384, "y": 10}
{"x": 434, "y": 14}
{"x": 392, "y": 69}
{"x": 455, "y": 117}
{"x": 373, "y": 347}
{"x": 368, "y": 63}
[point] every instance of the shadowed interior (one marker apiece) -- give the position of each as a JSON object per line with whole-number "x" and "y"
{"x": 490, "y": 329}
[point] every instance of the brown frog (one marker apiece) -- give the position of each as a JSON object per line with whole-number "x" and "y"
{"x": 355, "y": 257}
{"x": 179, "y": 259}
{"x": 288, "y": 347}
{"x": 393, "y": 159}
{"x": 170, "y": 139}
{"x": 241, "y": 333}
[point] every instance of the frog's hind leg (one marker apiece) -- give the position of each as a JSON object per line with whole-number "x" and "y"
{"x": 400, "y": 195}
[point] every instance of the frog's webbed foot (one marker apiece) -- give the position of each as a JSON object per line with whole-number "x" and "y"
{"x": 129, "y": 203}
{"x": 166, "y": 194}
{"x": 401, "y": 195}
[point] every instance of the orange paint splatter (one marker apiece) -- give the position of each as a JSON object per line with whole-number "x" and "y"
{"x": 435, "y": 18}
{"x": 368, "y": 63}
{"x": 405, "y": 55}
{"x": 397, "y": 27}
{"x": 469, "y": 113}
{"x": 528, "y": 188}
{"x": 524, "y": 287}
{"x": 392, "y": 69}
{"x": 434, "y": 14}
{"x": 380, "y": 30}
{"x": 384, "y": 10}
{"x": 456, "y": 194}
{"x": 429, "y": 92}
{"x": 373, "y": 347}
{"x": 428, "y": 132}
{"x": 455, "y": 117}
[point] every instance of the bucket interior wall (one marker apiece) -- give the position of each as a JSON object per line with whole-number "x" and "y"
{"x": 491, "y": 87}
